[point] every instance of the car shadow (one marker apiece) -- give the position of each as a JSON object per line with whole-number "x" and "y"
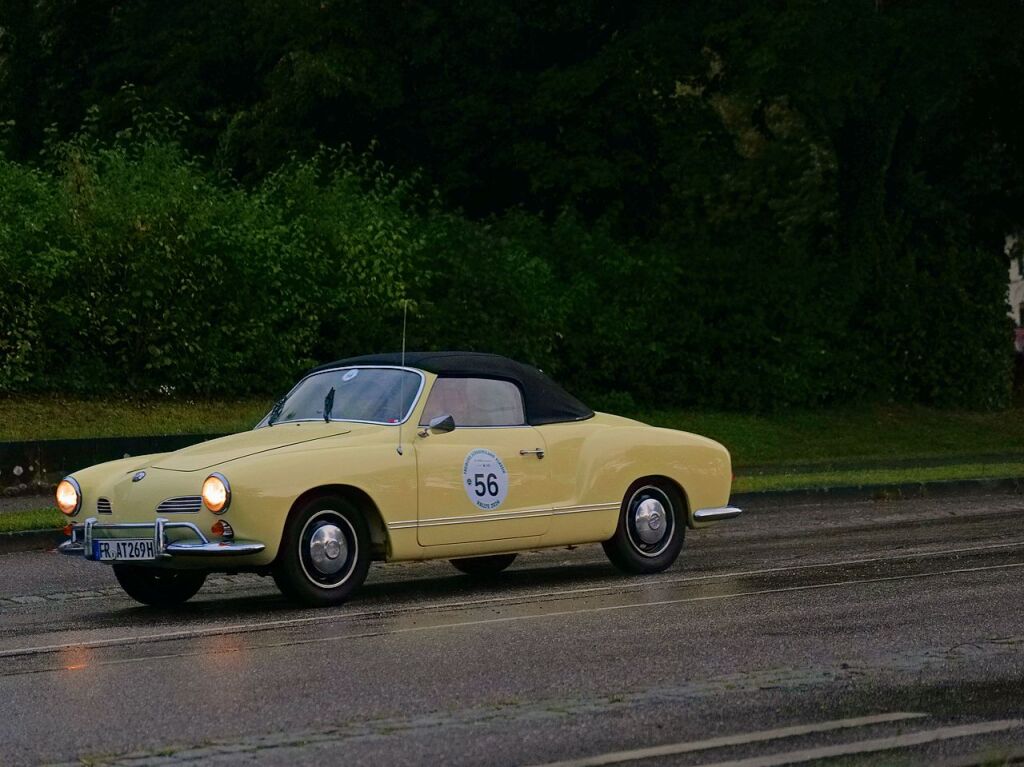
{"x": 392, "y": 593}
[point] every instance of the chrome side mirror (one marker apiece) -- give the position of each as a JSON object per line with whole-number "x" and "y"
{"x": 440, "y": 425}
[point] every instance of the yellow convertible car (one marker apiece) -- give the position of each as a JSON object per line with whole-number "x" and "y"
{"x": 453, "y": 455}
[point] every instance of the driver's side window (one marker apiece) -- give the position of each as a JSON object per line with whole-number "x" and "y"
{"x": 475, "y": 402}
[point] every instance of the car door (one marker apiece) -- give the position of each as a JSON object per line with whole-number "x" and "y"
{"x": 487, "y": 479}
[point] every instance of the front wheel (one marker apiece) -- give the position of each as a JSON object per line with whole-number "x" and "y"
{"x": 483, "y": 567}
{"x": 325, "y": 553}
{"x": 159, "y": 588}
{"x": 652, "y": 525}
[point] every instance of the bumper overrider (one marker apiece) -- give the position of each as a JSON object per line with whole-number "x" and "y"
{"x": 86, "y": 539}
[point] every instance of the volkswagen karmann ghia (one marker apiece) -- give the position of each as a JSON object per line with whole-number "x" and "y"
{"x": 443, "y": 455}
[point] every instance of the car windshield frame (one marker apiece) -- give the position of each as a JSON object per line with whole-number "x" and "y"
{"x": 408, "y": 414}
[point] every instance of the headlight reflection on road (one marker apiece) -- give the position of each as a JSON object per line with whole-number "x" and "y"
{"x": 75, "y": 658}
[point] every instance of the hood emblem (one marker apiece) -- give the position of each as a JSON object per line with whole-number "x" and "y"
{"x": 138, "y": 476}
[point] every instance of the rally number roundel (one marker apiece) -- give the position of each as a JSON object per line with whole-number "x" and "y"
{"x": 485, "y": 479}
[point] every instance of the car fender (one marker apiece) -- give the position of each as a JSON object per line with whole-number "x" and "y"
{"x": 265, "y": 488}
{"x": 613, "y": 459}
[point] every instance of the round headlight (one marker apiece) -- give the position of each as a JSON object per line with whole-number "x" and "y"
{"x": 217, "y": 493}
{"x": 69, "y": 496}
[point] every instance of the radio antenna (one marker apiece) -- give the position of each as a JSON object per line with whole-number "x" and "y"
{"x": 401, "y": 398}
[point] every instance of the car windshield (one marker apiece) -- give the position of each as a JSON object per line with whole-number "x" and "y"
{"x": 378, "y": 395}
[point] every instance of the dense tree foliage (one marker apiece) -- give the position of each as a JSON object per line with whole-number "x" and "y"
{"x": 739, "y": 203}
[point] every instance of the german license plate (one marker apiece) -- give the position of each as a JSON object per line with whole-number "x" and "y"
{"x": 121, "y": 550}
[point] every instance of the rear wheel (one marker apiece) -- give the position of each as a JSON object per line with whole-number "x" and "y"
{"x": 652, "y": 525}
{"x": 483, "y": 566}
{"x": 325, "y": 553}
{"x": 159, "y": 588}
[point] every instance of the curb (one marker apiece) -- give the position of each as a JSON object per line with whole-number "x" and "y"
{"x": 42, "y": 540}
{"x": 30, "y": 540}
{"x": 942, "y": 488}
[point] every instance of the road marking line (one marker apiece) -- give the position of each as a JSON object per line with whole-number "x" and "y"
{"x": 552, "y": 595}
{"x": 740, "y": 739}
{"x": 638, "y": 584}
{"x": 201, "y": 633}
{"x": 611, "y": 608}
{"x": 787, "y": 568}
{"x": 921, "y": 738}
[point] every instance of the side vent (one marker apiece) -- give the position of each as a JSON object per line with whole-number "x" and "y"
{"x": 103, "y": 506}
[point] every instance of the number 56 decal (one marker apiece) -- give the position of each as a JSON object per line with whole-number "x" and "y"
{"x": 485, "y": 479}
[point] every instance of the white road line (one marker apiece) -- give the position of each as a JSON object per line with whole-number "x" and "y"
{"x": 783, "y": 569}
{"x": 921, "y": 738}
{"x": 555, "y": 594}
{"x": 740, "y": 739}
{"x": 613, "y": 608}
{"x": 239, "y": 628}
{"x": 199, "y": 633}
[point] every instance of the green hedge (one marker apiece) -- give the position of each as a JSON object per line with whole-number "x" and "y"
{"x": 131, "y": 267}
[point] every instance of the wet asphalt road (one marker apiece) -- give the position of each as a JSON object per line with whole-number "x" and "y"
{"x": 812, "y": 617}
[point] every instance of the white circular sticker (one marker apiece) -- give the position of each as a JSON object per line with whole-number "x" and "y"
{"x": 350, "y": 375}
{"x": 485, "y": 479}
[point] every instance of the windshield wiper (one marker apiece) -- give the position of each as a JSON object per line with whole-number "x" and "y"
{"x": 275, "y": 412}
{"x": 328, "y": 405}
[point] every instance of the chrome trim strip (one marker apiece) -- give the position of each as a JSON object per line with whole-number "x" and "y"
{"x": 511, "y": 426}
{"x": 415, "y": 400}
{"x": 587, "y": 507}
{"x": 503, "y": 516}
{"x": 718, "y": 514}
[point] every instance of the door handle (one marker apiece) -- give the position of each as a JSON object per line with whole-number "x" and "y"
{"x": 539, "y": 452}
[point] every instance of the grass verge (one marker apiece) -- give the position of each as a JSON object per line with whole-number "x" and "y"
{"x": 810, "y": 480}
{"x": 834, "y": 437}
{"x": 35, "y": 519}
{"x": 52, "y": 417}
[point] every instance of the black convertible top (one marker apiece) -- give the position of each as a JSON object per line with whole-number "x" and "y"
{"x": 544, "y": 400}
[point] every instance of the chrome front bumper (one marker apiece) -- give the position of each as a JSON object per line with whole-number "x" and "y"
{"x": 83, "y": 535}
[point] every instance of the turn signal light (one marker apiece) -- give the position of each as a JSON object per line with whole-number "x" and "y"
{"x": 223, "y": 529}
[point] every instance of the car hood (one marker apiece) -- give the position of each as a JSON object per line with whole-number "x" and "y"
{"x": 217, "y": 451}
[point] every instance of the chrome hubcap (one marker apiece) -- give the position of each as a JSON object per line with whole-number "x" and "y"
{"x": 328, "y": 549}
{"x": 650, "y": 521}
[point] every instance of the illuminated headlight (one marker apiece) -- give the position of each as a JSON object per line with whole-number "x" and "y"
{"x": 69, "y": 496}
{"x": 217, "y": 493}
